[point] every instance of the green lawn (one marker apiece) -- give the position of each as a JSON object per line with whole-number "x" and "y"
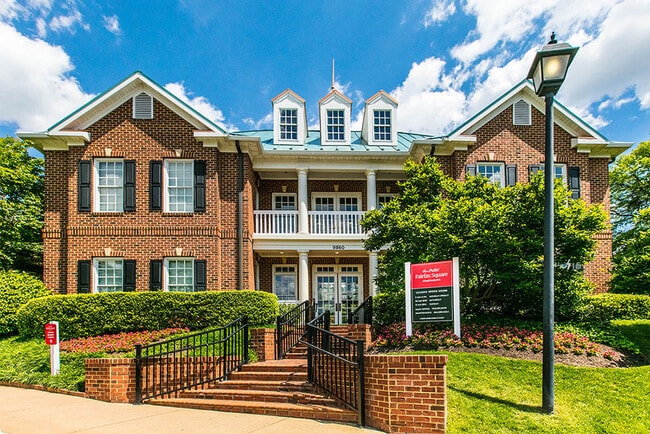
{"x": 636, "y": 331}
{"x": 488, "y": 394}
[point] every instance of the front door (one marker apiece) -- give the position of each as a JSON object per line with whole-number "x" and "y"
{"x": 337, "y": 289}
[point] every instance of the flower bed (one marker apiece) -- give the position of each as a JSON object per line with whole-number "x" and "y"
{"x": 483, "y": 336}
{"x": 117, "y": 343}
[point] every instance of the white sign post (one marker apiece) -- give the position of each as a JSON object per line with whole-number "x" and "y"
{"x": 52, "y": 339}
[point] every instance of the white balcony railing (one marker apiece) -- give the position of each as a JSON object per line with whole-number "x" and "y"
{"x": 276, "y": 222}
{"x": 320, "y": 222}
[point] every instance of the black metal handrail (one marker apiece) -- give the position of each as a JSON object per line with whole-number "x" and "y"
{"x": 335, "y": 364}
{"x": 362, "y": 314}
{"x": 291, "y": 327}
{"x": 167, "y": 367}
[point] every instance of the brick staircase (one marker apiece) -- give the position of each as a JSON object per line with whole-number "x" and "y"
{"x": 275, "y": 387}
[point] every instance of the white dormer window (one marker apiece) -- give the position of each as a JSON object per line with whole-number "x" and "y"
{"x": 382, "y": 125}
{"x": 288, "y": 124}
{"x": 521, "y": 113}
{"x": 142, "y": 106}
{"x": 335, "y": 125}
{"x": 289, "y": 119}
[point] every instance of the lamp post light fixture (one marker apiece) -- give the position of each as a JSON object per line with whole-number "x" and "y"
{"x": 548, "y": 72}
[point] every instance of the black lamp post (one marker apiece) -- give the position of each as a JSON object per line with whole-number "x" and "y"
{"x": 548, "y": 72}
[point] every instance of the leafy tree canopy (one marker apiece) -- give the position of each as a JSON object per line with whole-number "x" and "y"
{"x": 496, "y": 232}
{"x": 21, "y": 207}
{"x": 630, "y": 193}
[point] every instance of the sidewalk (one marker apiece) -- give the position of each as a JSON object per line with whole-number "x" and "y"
{"x": 26, "y": 411}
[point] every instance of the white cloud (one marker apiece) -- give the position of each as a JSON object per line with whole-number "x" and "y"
{"x": 34, "y": 80}
{"x": 265, "y": 122}
{"x": 199, "y": 103}
{"x": 439, "y": 12}
{"x": 9, "y": 10}
{"x": 68, "y": 22}
{"x": 112, "y": 24}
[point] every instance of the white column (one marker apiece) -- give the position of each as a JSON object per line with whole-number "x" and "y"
{"x": 371, "y": 180}
{"x": 373, "y": 271}
{"x": 303, "y": 218}
{"x": 303, "y": 275}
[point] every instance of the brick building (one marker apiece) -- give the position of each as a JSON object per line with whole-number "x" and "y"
{"x": 144, "y": 193}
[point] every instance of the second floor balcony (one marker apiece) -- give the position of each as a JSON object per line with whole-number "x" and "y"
{"x": 319, "y": 222}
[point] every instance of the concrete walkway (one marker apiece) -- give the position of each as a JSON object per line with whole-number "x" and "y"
{"x": 27, "y": 411}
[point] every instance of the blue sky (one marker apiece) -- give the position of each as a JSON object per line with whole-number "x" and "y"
{"x": 443, "y": 60}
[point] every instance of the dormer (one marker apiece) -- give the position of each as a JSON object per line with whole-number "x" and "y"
{"x": 380, "y": 120}
{"x": 335, "y": 111}
{"x": 289, "y": 119}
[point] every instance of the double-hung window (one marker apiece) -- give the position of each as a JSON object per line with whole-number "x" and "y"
{"x": 179, "y": 186}
{"x": 493, "y": 172}
{"x": 382, "y": 125}
{"x": 289, "y": 124}
{"x": 284, "y": 282}
{"x": 384, "y": 198}
{"x": 109, "y": 185}
{"x": 109, "y": 274}
{"x": 179, "y": 274}
{"x": 335, "y": 125}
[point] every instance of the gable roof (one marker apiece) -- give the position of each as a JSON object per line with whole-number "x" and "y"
{"x": 70, "y": 131}
{"x": 335, "y": 93}
{"x": 586, "y": 138}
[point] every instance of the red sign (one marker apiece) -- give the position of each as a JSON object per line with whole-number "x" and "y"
{"x": 432, "y": 274}
{"x": 51, "y": 334}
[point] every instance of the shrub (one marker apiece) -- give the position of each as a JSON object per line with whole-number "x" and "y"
{"x": 82, "y": 315}
{"x": 388, "y": 308}
{"x": 606, "y": 307}
{"x": 16, "y": 289}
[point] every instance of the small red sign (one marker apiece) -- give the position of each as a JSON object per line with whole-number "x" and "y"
{"x": 432, "y": 274}
{"x": 51, "y": 334}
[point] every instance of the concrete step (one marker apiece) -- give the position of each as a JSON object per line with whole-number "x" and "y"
{"x": 318, "y": 412}
{"x": 302, "y": 386}
{"x": 292, "y": 397}
{"x": 268, "y": 376}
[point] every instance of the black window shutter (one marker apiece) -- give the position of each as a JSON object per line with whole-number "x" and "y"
{"x": 129, "y": 185}
{"x": 533, "y": 169}
{"x": 128, "y": 280}
{"x": 199, "y": 186}
{"x": 511, "y": 174}
{"x": 155, "y": 185}
{"x": 83, "y": 277}
{"x": 155, "y": 274}
{"x": 84, "y": 185}
{"x": 574, "y": 182}
{"x": 199, "y": 275}
{"x": 470, "y": 169}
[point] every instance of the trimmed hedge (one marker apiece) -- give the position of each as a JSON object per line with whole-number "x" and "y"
{"x": 16, "y": 289}
{"x": 82, "y": 315}
{"x": 388, "y": 308}
{"x": 607, "y": 307}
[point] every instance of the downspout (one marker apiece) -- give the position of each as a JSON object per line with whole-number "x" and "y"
{"x": 240, "y": 216}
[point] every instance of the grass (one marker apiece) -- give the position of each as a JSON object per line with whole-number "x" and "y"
{"x": 494, "y": 394}
{"x": 636, "y": 331}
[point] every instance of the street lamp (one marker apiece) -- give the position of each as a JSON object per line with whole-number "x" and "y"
{"x": 548, "y": 72}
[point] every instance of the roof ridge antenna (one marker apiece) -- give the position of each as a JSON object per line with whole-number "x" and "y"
{"x": 332, "y": 73}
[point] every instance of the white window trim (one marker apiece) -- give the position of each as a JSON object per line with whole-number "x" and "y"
{"x": 166, "y": 271}
{"x": 336, "y": 197}
{"x": 281, "y": 124}
{"x": 96, "y": 196}
{"x": 342, "y": 125}
{"x": 295, "y": 276}
{"x": 274, "y": 195}
{"x": 388, "y": 196}
{"x": 490, "y": 163}
{"x": 166, "y": 200}
{"x": 95, "y": 283}
{"x": 565, "y": 177}
{"x": 390, "y": 135}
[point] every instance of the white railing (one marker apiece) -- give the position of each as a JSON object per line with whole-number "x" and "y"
{"x": 320, "y": 222}
{"x": 335, "y": 222}
{"x": 276, "y": 222}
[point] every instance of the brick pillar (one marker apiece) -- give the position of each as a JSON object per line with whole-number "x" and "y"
{"x": 110, "y": 380}
{"x": 263, "y": 343}
{"x": 406, "y": 394}
{"x": 360, "y": 332}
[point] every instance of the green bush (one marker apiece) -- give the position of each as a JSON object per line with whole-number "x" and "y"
{"x": 82, "y": 315}
{"x": 607, "y": 307}
{"x": 16, "y": 289}
{"x": 388, "y": 308}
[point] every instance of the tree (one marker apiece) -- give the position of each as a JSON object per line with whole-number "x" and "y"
{"x": 21, "y": 207}
{"x": 496, "y": 232}
{"x": 630, "y": 193}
